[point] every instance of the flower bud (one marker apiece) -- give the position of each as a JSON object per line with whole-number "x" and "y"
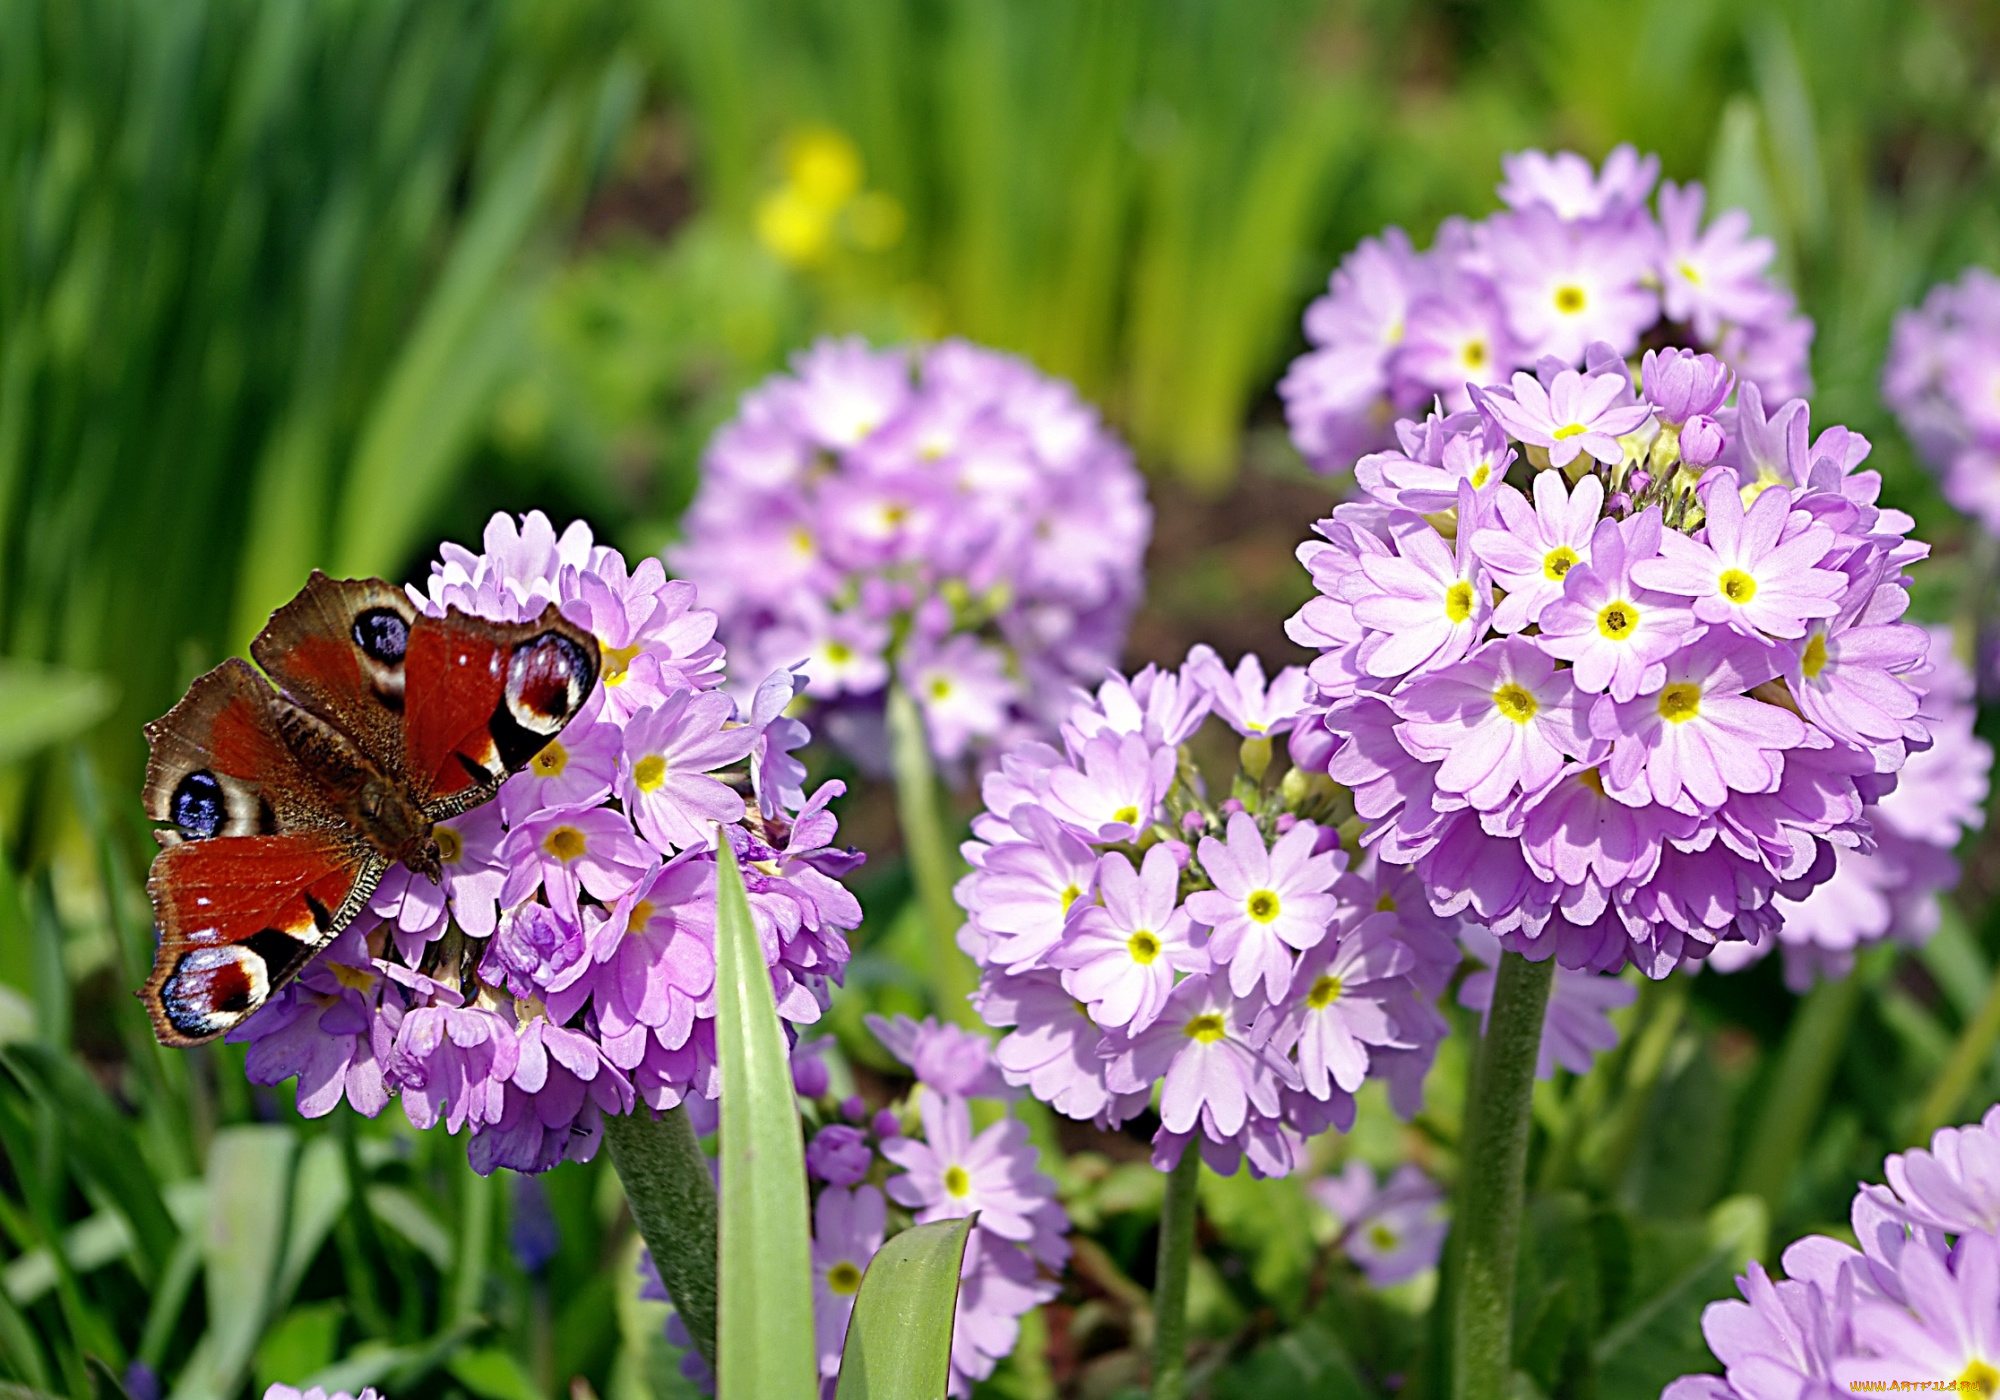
{"x": 1701, "y": 441}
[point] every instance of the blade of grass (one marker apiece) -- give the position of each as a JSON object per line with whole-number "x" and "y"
{"x": 899, "y": 1335}
{"x": 764, "y": 1326}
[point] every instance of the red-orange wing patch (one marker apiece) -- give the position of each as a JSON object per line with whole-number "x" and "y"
{"x": 483, "y": 698}
{"x": 240, "y": 915}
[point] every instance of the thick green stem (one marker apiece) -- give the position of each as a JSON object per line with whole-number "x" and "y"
{"x": 1948, "y": 1091}
{"x": 933, "y": 864}
{"x": 1493, "y": 1167}
{"x": 673, "y": 1202}
{"x": 1170, "y": 1288}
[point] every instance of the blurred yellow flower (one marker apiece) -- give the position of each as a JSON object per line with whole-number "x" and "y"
{"x": 794, "y": 227}
{"x": 823, "y": 166}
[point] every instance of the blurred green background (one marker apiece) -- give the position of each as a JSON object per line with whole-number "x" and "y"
{"x": 298, "y": 283}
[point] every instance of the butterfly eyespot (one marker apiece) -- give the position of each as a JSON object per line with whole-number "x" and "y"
{"x": 383, "y": 634}
{"x": 199, "y": 809}
{"x": 547, "y": 679}
{"x": 214, "y": 988}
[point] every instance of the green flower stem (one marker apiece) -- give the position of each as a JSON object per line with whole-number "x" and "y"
{"x": 1170, "y": 1288}
{"x": 673, "y": 1202}
{"x": 1948, "y": 1091}
{"x": 933, "y": 863}
{"x": 1493, "y": 1166}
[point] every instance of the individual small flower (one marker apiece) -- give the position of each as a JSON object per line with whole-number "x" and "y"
{"x": 1351, "y": 997}
{"x": 1681, "y": 385}
{"x": 1503, "y": 721}
{"x": 1425, "y": 605}
{"x": 1120, "y": 955}
{"x": 287, "y": 1392}
{"x": 1576, "y": 1028}
{"x": 1252, "y": 707}
{"x": 1700, "y": 734}
{"x": 948, "y": 1058}
{"x": 1574, "y": 414}
{"x": 964, "y": 692}
{"x": 1531, "y": 551}
{"x": 1616, "y": 633}
{"x": 952, "y": 1173}
{"x": 1393, "y": 1232}
{"x": 1750, "y": 572}
{"x": 839, "y": 1154}
{"x": 1944, "y": 1331}
{"x": 848, "y": 1226}
{"x": 1954, "y": 1185}
{"x": 664, "y": 770}
{"x": 569, "y": 850}
{"x": 1568, "y": 283}
{"x": 1213, "y": 1064}
{"x": 1267, "y": 902}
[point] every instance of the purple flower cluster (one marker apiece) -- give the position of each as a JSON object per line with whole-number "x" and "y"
{"x": 1939, "y": 795}
{"x": 1392, "y": 1231}
{"x": 1132, "y": 932}
{"x": 1625, "y": 716}
{"x": 926, "y": 1159}
{"x": 564, "y": 968}
{"x": 1916, "y": 1306}
{"x": 1575, "y": 258}
{"x": 1943, "y": 381}
{"x": 971, "y": 532}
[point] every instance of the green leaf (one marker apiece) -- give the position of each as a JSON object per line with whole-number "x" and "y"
{"x": 764, "y": 1342}
{"x": 43, "y": 705}
{"x": 493, "y": 1375}
{"x": 249, "y": 1190}
{"x": 899, "y": 1338}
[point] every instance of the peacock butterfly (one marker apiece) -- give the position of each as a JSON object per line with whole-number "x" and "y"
{"x": 285, "y": 806}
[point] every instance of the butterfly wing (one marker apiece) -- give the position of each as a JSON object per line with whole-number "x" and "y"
{"x": 340, "y": 649}
{"x": 483, "y": 698}
{"x": 260, "y": 870}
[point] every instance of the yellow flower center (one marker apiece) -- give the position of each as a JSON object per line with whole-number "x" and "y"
{"x": 1481, "y": 475}
{"x": 1324, "y": 993}
{"x": 802, "y": 540}
{"x": 1206, "y": 1028}
{"x": 1680, "y": 702}
{"x": 1473, "y": 356}
{"x": 1737, "y": 586}
{"x": 1593, "y": 780}
{"x": 565, "y": 843}
{"x": 940, "y": 687}
{"x": 551, "y": 761}
{"x": 1617, "y": 620}
{"x": 1570, "y": 430}
{"x": 1978, "y": 1378}
{"x": 1263, "y": 906}
{"x": 1070, "y": 895}
{"x": 839, "y": 653}
{"x": 649, "y": 772}
{"x": 1570, "y": 299}
{"x": 1516, "y": 702}
{"x": 956, "y": 1181}
{"x": 1128, "y": 816}
{"x": 1144, "y": 947}
{"x": 1557, "y": 562}
{"x": 618, "y": 662}
{"x": 1688, "y": 270}
{"x": 451, "y": 846}
{"x": 1814, "y": 660}
{"x": 843, "y": 1278}
{"x": 642, "y": 914}
{"x": 1381, "y": 1236}
{"x": 1386, "y": 904}
{"x": 1458, "y": 601}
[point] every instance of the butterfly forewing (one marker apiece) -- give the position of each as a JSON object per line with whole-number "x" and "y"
{"x": 339, "y": 649}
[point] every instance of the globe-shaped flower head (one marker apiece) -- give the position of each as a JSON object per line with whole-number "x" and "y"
{"x": 1638, "y": 711}
{"x": 1577, "y": 256}
{"x": 947, "y": 520}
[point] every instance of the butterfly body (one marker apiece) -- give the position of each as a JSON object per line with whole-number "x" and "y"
{"x": 285, "y": 805}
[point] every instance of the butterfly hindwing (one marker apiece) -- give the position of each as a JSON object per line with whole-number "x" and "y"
{"x": 482, "y": 698}
{"x": 260, "y": 869}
